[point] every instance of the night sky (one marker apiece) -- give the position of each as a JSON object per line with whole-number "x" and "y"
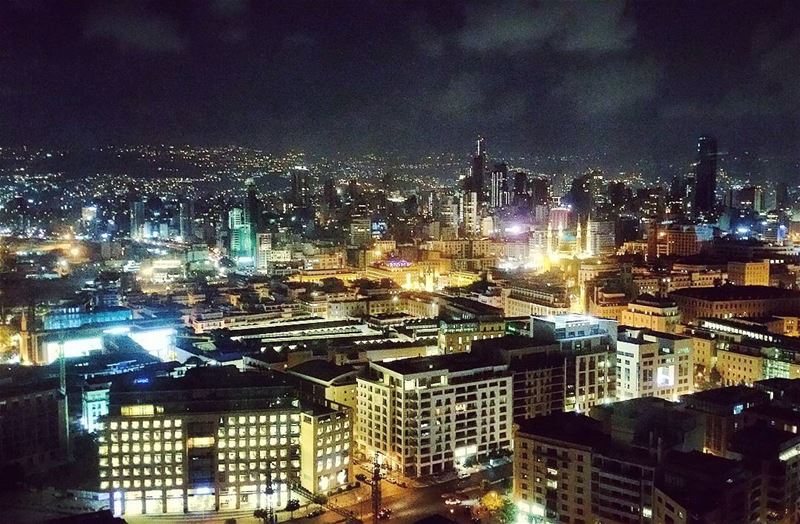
{"x": 628, "y": 79}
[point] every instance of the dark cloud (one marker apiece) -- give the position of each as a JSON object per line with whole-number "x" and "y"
{"x": 637, "y": 78}
{"x": 134, "y": 29}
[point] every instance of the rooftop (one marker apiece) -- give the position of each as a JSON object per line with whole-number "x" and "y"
{"x": 731, "y": 292}
{"x": 567, "y": 427}
{"x": 647, "y": 299}
{"x": 322, "y": 370}
{"x": 452, "y": 363}
{"x": 725, "y": 396}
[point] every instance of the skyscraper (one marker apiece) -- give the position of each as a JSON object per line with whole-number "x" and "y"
{"x": 477, "y": 171}
{"x": 705, "y": 171}
{"x": 185, "y": 218}
{"x": 137, "y": 220}
{"x": 498, "y": 190}
{"x": 252, "y": 217}
{"x": 301, "y": 187}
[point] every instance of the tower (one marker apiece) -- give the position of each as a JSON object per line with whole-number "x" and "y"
{"x": 498, "y": 189}
{"x": 705, "y": 176}
{"x": 137, "y": 220}
{"x": 300, "y": 195}
{"x": 185, "y": 218}
{"x": 477, "y": 170}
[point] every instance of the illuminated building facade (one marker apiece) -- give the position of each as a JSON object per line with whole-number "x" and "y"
{"x": 590, "y": 344}
{"x": 214, "y": 439}
{"x": 651, "y": 312}
{"x": 426, "y": 415}
{"x": 735, "y": 301}
{"x": 653, "y": 364}
{"x": 749, "y": 273}
{"x": 326, "y": 435}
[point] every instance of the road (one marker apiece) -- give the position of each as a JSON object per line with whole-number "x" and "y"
{"x": 407, "y": 504}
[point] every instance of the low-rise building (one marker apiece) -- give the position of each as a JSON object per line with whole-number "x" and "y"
{"x": 648, "y": 311}
{"x": 735, "y": 301}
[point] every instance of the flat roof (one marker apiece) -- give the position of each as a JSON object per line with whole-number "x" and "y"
{"x": 568, "y": 427}
{"x": 452, "y": 362}
{"x": 730, "y": 292}
{"x": 323, "y": 370}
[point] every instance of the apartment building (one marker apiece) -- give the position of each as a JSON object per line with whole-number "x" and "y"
{"x": 653, "y": 364}
{"x": 427, "y": 415}
{"x": 567, "y": 469}
{"x": 538, "y": 369}
{"x": 590, "y": 346}
{"x": 723, "y": 409}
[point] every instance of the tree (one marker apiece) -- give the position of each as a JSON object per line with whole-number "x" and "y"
{"x": 508, "y": 512}
{"x": 262, "y": 515}
{"x": 492, "y": 501}
{"x": 292, "y": 505}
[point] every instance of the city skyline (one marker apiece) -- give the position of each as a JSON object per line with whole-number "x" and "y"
{"x": 630, "y": 80}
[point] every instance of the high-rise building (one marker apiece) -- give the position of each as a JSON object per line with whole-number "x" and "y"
{"x": 470, "y": 212}
{"x": 782, "y": 201}
{"x": 240, "y": 242}
{"x": 477, "y": 172}
{"x": 185, "y": 220}
{"x": 705, "y": 172}
{"x": 300, "y": 195}
{"x": 137, "y": 220}
{"x": 263, "y": 250}
{"x": 498, "y": 189}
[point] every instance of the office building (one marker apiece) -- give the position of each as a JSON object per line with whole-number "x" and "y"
{"x": 326, "y": 437}
{"x": 705, "y": 172}
{"x": 427, "y": 415}
{"x": 213, "y": 439}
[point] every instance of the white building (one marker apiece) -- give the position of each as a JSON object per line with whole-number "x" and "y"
{"x": 654, "y": 364}
{"x": 427, "y": 415}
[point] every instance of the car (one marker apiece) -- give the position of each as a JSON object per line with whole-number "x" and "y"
{"x": 384, "y": 513}
{"x": 315, "y": 513}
